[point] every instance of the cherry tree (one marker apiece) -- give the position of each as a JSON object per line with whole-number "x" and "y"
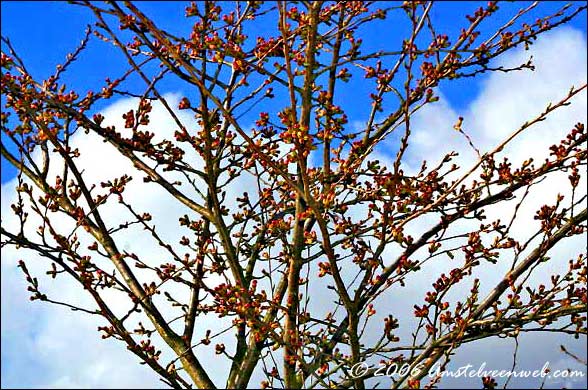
{"x": 299, "y": 227}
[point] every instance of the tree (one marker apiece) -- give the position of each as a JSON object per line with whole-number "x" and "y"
{"x": 297, "y": 231}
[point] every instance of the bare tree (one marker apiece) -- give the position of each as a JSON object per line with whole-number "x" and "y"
{"x": 301, "y": 261}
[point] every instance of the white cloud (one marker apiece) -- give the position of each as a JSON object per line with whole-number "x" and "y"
{"x": 505, "y": 102}
{"x": 66, "y": 344}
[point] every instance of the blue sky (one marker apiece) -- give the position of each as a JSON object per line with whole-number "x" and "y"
{"x": 44, "y": 32}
